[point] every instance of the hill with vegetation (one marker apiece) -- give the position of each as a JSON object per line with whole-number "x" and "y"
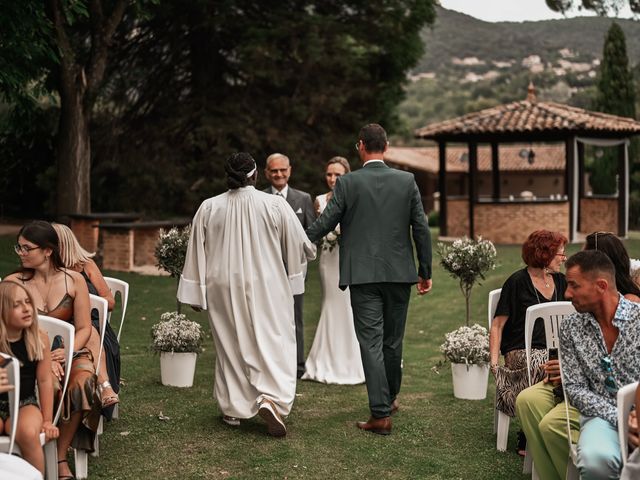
{"x": 470, "y": 64}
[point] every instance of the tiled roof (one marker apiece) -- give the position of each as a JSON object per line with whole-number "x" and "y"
{"x": 547, "y": 158}
{"x": 530, "y": 116}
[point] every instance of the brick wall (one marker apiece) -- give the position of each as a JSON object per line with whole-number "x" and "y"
{"x": 145, "y": 246}
{"x": 86, "y": 231}
{"x": 457, "y": 217}
{"x": 511, "y": 223}
{"x": 598, "y": 215}
{"x": 118, "y": 249}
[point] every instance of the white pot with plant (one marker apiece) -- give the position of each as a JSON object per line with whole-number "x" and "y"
{"x": 178, "y": 340}
{"x": 467, "y": 348}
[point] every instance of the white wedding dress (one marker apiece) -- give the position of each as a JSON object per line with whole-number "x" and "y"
{"x": 335, "y": 353}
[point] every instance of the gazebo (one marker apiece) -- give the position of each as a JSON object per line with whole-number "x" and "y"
{"x": 510, "y": 220}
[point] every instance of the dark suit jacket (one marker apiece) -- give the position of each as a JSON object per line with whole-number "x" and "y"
{"x": 379, "y": 209}
{"x": 302, "y": 205}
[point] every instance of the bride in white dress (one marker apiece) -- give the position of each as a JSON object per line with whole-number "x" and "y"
{"x": 335, "y": 353}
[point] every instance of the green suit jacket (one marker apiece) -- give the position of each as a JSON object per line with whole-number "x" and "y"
{"x": 379, "y": 209}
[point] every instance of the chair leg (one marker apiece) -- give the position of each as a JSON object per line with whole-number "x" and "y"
{"x": 82, "y": 464}
{"x": 527, "y": 466}
{"x": 51, "y": 460}
{"x": 96, "y": 446}
{"x": 503, "y": 431}
{"x": 534, "y": 472}
{"x": 116, "y": 413}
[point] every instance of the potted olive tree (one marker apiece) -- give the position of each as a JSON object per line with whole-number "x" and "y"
{"x": 468, "y": 347}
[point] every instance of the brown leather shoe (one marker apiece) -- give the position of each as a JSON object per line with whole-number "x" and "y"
{"x": 267, "y": 410}
{"x": 381, "y": 426}
{"x": 395, "y": 406}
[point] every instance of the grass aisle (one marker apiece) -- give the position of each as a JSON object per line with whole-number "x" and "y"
{"x": 435, "y": 436}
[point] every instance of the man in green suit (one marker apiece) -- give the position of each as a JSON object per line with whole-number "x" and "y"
{"x": 379, "y": 210}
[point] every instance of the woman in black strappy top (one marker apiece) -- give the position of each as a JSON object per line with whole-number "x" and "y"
{"x": 61, "y": 293}
{"x": 79, "y": 260}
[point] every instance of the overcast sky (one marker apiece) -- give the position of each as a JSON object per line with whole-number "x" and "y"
{"x": 512, "y": 10}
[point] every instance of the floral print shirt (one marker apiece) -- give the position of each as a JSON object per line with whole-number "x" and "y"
{"x": 582, "y": 348}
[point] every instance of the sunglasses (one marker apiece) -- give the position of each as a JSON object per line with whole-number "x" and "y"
{"x": 609, "y": 382}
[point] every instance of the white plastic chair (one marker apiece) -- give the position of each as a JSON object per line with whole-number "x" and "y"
{"x": 626, "y": 397}
{"x": 122, "y": 287}
{"x": 54, "y": 327}
{"x": 7, "y": 442}
{"x": 551, "y": 313}
{"x": 118, "y": 286}
{"x": 81, "y": 456}
{"x": 500, "y": 420}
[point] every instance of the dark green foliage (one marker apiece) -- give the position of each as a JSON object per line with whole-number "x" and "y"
{"x": 201, "y": 80}
{"x": 615, "y": 95}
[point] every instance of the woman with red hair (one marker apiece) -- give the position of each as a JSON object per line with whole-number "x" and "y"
{"x": 539, "y": 282}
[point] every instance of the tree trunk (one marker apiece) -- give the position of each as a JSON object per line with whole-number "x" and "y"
{"x": 73, "y": 148}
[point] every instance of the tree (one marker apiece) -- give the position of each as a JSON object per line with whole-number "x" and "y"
{"x": 201, "y": 79}
{"x": 70, "y": 41}
{"x": 615, "y": 95}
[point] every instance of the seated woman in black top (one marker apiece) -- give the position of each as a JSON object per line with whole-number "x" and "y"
{"x": 540, "y": 282}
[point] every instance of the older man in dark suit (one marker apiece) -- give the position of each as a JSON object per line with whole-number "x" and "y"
{"x": 278, "y": 171}
{"x": 379, "y": 210}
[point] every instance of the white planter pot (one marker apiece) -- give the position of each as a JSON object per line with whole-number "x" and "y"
{"x": 177, "y": 369}
{"x": 470, "y": 381}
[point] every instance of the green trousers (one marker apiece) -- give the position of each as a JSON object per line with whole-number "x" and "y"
{"x": 544, "y": 423}
{"x": 379, "y": 316}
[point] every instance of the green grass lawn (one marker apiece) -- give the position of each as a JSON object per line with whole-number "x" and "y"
{"x": 435, "y": 436}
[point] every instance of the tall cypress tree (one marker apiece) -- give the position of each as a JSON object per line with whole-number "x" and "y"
{"x": 615, "y": 95}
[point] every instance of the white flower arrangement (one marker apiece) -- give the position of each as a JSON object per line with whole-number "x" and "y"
{"x": 330, "y": 240}
{"x": 171, "y": 249}
{"x": 175, "y": 333}
{"x": 468, "y": 260}
{"x": 468, "y": 345}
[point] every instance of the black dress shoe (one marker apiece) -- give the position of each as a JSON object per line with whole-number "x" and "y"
{"x": 381, "y": 426}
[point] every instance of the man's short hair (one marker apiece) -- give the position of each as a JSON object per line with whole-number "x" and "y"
{"x": 373, "y": 137}
{"x": 592, "y": 262}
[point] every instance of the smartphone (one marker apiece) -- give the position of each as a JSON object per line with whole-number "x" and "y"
{"x": 58, "y": 342}
{"x": 5, "y": 361}
{"x": 553, "y": 355}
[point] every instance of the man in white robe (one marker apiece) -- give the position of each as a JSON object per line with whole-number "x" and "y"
{"x": 246, "y": 259}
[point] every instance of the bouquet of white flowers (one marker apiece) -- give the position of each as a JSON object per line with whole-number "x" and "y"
{"x": 467, "y": 345}
{"x": 330, "y": 240}
{"x": 171, "y": 250}
{"x": 175, "y": 333}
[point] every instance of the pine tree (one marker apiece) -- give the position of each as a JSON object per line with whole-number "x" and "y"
{"x": 615, "y": 95}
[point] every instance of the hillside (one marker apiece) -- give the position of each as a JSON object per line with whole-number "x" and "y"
{"x": 470, "y": 64}
{"x": 456, "y": 35}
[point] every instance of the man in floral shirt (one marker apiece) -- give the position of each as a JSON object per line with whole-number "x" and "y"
{"x": 599, "y": 354}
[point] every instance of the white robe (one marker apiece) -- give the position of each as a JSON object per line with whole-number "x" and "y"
{"x": 246, "y": 259}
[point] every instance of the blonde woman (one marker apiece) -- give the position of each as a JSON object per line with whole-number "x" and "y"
{"x": 21, "y": 338}
{"x": 76, "y": 258}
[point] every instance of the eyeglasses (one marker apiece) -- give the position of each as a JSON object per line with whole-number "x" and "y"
{"x": 563, "y": 255}
{"x": 609, "y": 382}
{"x": 23, "y": 249}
